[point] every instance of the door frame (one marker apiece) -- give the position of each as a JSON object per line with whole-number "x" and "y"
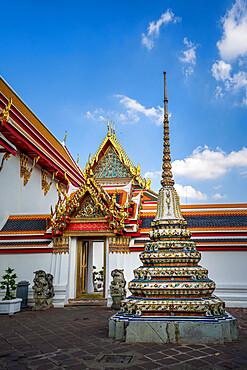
{"x": 80, "y": 241}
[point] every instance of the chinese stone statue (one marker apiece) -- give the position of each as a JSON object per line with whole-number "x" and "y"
{"x": 43, "y": 290}
{"x": 117, "y": 288}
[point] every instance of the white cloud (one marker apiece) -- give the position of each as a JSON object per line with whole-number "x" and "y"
{"x": 152, "y": 175}
{"x": 134, "y": 109}
{"x": 239, "y": 80}
{"x": 219, "y": 196}
{"x": 131, "y": 115}
{"x": 244, "y": 100}
{"x": 235, "y": 83}
{"x": 189, "y": 53}
{"x": 232, "y": 47}
{"x": 219, "y": 92}
{"x": 206, "y": 164}
{"x": 188, "y": 58}
{"x": 234, "y": 39}
{"x": 154, "y": 28}
{"x": 242, "y": 61}
{"x": 221, "y": 70}
{"x": 217, "y": 187}
{"x": 183, "y": 191}
{"x": 189, "y": 192}
{"x": 96, "y": 115}
{"x": 188, "y": 71}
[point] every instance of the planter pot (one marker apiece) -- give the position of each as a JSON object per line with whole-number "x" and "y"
{"x": 11, "y": 306}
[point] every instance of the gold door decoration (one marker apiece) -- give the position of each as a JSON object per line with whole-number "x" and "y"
{"x": 61, "y": 244}
{"x": 82, "y": 255}
{"x": 119, "y": 244}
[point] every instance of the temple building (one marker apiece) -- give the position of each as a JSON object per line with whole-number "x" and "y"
{"x": 80, "y": 225}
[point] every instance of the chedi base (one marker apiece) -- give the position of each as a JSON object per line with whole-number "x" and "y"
{"x": 173, "y": 330}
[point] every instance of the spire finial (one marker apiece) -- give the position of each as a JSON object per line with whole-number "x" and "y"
{"x": 114, "y": 130}
{"x": 111, "y": 127}
{"x": 108, "y": 127}
{"x": 165, "y": 98}
{"x": 167, "y": 179}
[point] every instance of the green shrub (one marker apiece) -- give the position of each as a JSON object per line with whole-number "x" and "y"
{"x": 9, "y": 284}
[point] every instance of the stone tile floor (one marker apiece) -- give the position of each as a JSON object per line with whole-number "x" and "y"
{"x": 76, "y": 338}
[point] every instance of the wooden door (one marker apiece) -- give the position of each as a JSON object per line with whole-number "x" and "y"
{"x": 82, "y": 256}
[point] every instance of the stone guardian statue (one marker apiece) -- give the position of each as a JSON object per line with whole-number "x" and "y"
{"x": 43, "y": 290}
{"x": 117, "y": 288}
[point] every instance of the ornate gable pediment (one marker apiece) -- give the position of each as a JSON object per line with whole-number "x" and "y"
{"x": 111, "y": 166}
{"x": 89, "y": 209}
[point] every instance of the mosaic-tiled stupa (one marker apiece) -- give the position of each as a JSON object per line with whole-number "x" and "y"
{"x": 171, "y": 288}
{"x": 171, "y": 282}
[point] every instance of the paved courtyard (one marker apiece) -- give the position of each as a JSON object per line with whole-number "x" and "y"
{"x": 76, "y": 338}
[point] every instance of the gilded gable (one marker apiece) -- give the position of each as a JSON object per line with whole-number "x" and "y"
{"x": 89, "y": 209}
{"x": 110, "y": 166}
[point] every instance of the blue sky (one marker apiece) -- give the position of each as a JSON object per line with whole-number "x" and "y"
{"x": 75, "y": 63}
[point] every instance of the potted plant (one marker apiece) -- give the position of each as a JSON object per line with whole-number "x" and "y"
{"x": 9, "y": 304}
{"x": 98, "y": 277}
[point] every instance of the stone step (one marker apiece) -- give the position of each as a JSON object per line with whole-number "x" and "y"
{"x": 87, "y": 302}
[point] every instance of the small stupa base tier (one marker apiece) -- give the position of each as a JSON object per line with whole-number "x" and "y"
{"x": 171, "y": 272}
{"x": 173, "y": 330}
{"x": 198, "y": 307}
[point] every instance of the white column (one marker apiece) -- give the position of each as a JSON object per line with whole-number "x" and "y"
{"x": 89, "y": 282}
{"x": 64, "y": 269}
{"x": 71, "y": 291}
{"x": 57, "y": 269}
{"x": 107, "y": 271}
{"x": 53, "y": 265}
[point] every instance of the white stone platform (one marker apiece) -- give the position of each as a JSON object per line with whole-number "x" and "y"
{"x": 173, "y": 330}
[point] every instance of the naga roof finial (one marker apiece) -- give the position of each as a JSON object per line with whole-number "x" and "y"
{"x": 167, "y": 179}
{"x": 4, "y": 115}
{"x": 65, "y": 137}
{"x": 111, "y": 129}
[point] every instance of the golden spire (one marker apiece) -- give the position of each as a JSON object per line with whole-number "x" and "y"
{"x": 167, "y": 179}
{"x": 78, "y": 158}
{"x": 111, "y": 128}
{"x": 108, "y": 128}
{"x": 114, "y": 135}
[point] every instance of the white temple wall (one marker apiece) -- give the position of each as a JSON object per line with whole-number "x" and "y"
{"x": 16, "y": 198}
{"x": 25, "y": 265}
{"x": 229, "y": 271}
